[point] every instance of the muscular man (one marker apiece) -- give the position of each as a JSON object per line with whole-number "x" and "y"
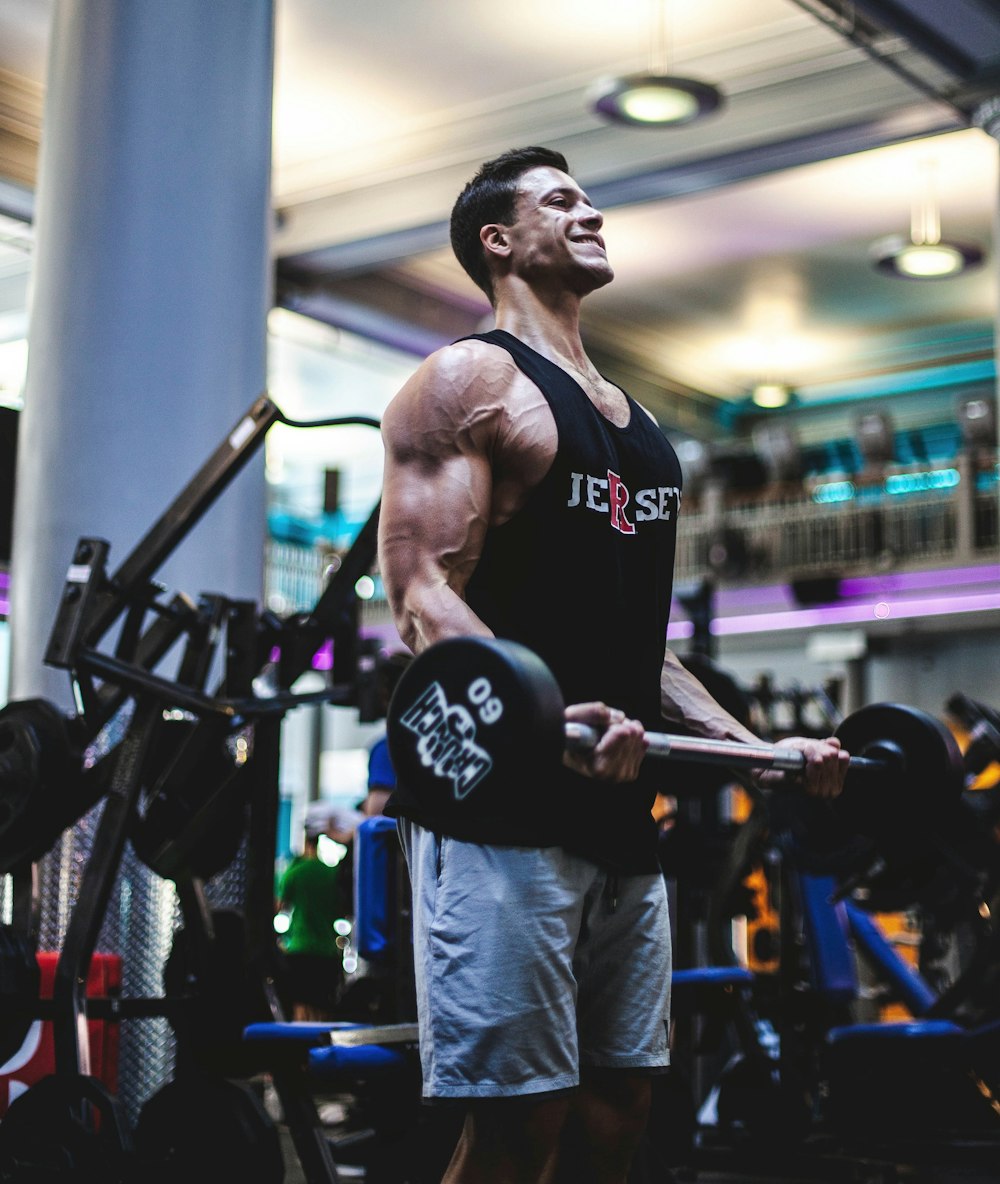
{"x": 527, "y": 497}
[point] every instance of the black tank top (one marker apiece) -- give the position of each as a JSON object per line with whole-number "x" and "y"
{"x": 582, "y": 575}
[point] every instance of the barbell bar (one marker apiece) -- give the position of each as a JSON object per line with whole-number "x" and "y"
{"x": 476, "y": 727}
{"x": 732, "y": 753}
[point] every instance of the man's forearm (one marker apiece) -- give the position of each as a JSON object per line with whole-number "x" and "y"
{"x": 424, "y": 616}
{"x": 685, "y": 700}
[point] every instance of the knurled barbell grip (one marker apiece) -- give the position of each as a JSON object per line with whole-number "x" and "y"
{"x": 716, "y": 752}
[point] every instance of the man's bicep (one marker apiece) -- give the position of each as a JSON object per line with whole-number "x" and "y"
{"x": 433, "y": 519}
{"x": 431, "y": 533}
{"x": 437, "y": 494}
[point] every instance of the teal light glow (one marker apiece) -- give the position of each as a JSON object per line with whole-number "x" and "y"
{"x": 898, "y": 484}
{"x": 902, "y": 483}
{"x": 834, "y": 491}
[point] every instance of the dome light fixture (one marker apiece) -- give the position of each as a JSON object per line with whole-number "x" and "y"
{"x": 899, "y": 256}
{"x": 925, "y": 255}
{"x": 655, "y": 97}
{"x": 655, "y": 100}
{"x": 771, "y": 395}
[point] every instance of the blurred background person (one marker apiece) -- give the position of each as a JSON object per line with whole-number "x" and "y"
{"x": 314, "y": 895}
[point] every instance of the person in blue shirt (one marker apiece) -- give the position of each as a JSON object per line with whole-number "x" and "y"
{"x": 381, "y": 775}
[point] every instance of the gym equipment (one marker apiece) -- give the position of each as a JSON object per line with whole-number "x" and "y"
{"x": 983, "y": 724}
{"x": 65, "y": 1127}
{"x": 470, "y": 714}
{"x": 188, "y": 773}
{"x": 370, "y": 1050}
{"x": 758, "y": 1100}
{"x": 19, "y": 984}
{"x": 194, "y": 816}
{"x": 816, "y": 1080}
{"x": 377, "y": 1064}
{"x": 206, "y": 978}
{"x": 201, "y": 1129}
{"x": 41, "y": 787}
{"x": 906, "y": 1088}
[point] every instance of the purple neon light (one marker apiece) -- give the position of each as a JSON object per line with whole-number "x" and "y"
{"x": 4, "y": 580}
{"x": 771, "y": 596}
{"x": 856, "y": 614}
{"x": 4, "y": 606}
{"x": 911, "y": 581}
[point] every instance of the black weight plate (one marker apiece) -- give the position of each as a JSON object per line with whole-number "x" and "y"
{"x": 41, "y": 790}
{"x": 67, "y": 1128}
{"x": 19, "y": 983}
{"x": 20, "y": 773}
{"x": 194, "y": 818}
{"x": 213, "y": 980}
{"x": 200, "y": 1129}
{"x": 468, "y": 716}
{"x": 902, "y": 807}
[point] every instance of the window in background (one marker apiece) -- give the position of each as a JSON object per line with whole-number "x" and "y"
{"x": 324, "y": 482}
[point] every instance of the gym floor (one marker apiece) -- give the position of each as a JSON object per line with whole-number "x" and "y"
{"x": 717, "y": 1168}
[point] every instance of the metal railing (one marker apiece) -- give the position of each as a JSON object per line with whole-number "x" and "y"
{"x": 780, "y": 538}
{"x": 797, "y": 537}
{"x": 294, "y": 575}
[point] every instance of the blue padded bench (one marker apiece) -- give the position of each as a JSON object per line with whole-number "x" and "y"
{"x": 341, "y": 1048}
{"x": 337, "y": 1049}
{"x": 719, "y": 994}
{"x": 911, "y": 1081}
{"x": 691, "y": 979}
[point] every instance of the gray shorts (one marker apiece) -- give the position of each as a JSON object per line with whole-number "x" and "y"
{"x": 530, "y": 963}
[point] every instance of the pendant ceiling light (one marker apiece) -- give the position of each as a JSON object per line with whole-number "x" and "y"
{"x": 655, "y": 98}
{"x": 925, "y": 255}
{"x": 771, "y": 395}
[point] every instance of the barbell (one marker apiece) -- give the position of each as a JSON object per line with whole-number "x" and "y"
{"x": 471, "y": 716}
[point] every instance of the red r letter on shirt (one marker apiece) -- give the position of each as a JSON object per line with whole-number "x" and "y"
{"x": 619, "y": 498}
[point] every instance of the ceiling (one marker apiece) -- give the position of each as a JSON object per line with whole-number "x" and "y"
{"x": 740, "y": 243}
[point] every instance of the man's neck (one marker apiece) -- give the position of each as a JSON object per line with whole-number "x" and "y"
{"x": 552, "y": 329}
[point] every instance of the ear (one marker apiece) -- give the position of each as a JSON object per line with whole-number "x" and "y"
{"x": 495, "y": 240}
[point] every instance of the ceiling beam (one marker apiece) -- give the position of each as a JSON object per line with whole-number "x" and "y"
{"x": 372, "y": 228}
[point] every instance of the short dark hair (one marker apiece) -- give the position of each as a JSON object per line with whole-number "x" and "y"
{"x": 491, "y": 196}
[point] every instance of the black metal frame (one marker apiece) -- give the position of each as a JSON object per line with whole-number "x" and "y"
{"x": 92, "y": 603}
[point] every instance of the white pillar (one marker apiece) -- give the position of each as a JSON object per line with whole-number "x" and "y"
{"x": 150, "y": 291}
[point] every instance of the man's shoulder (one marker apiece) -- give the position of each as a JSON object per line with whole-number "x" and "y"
{"x": 466, "y": 377}
{"x": 469, "y": 359}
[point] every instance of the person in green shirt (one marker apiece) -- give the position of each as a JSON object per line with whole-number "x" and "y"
{"x": 311, "y": 894}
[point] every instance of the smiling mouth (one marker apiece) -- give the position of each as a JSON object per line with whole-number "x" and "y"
{"x": 590, "y": 238}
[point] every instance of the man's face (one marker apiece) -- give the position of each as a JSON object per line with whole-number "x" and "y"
{"x": 556, "y": 236}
